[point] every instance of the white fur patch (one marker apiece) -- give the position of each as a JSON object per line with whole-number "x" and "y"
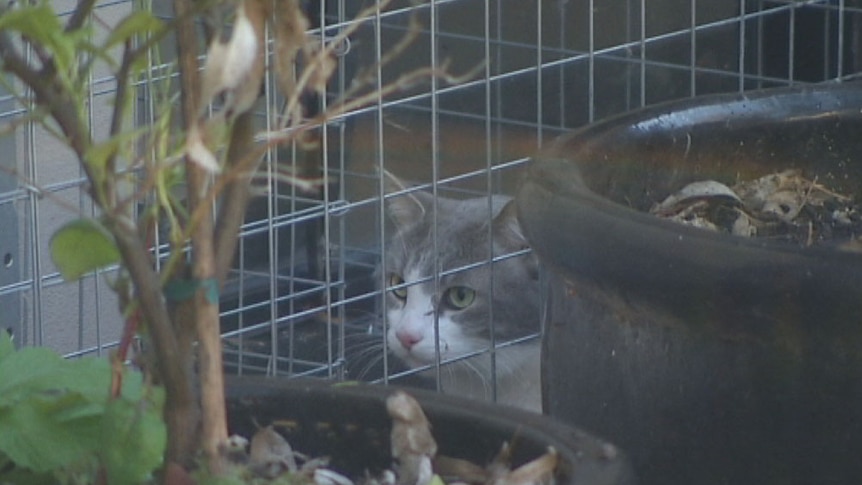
{"x": 416, "y": 318}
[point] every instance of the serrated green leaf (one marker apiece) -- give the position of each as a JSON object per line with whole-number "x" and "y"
{"x": 35, "y": 370}
{"x": 134, "y": 437}
{"x": 138, "y": 23}
{"x": 57, "y": 421}
{"x": 90, "y": 377}
{"x": 56, "y": 418}
{"x": 82, "y": 246}
{"x": 27, "y": 371}
{"x": 34, "y": 438}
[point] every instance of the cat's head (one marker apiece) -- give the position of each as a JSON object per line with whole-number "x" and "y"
{"x": 471, "y": 299}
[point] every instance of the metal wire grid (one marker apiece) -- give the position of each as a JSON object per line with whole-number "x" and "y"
{"x": 304, "y": 294}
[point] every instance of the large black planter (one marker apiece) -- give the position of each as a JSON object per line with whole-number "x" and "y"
{"x": 350, "y": 425}
{"x": 709, "y": 358}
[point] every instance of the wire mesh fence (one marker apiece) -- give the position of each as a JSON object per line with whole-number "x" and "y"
{"x": 307, "y": 292}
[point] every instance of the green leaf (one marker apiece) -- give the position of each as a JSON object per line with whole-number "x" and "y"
{"x": 23, "y": 476}
{"x": 42, "y": 26}
{"x": 90, "y": 377}
{"x": 56, "y": 419}
{"x": 140, "y": 22}
{"x": 134, "y": 438}
{"x": 40, "y": 370}
{"x": 37, "y": 370}
{"x": 34, "y": 438}
{"x": 82, "y": 246}
{"x": 27, "y": 371}
{"x": 98, "y": 153}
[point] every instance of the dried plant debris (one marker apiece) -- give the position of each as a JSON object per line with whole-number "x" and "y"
{"x": 414, "y": 448}
{"x": 269, "y": 459}
{"x": 783, "y": 205}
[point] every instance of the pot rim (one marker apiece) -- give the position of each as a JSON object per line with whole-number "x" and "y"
{"x": 582, "y": 455}
{"x": 590, "y": 237}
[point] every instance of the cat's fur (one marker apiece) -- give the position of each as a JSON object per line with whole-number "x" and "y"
{"x": 462, "y": 238}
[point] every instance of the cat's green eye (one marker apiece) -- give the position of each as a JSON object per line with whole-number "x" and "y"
{"x": 459, "y": 297}
{"x": 395, "y": 280}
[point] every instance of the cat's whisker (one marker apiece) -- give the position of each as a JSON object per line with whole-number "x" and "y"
{"x": 358, "y": 342}
{"x": 447, "y": 374}
{"x": 362, "y": 356}
{"x": 363, "y": 353}
{"x": 483, "y": 376}
{"x": 367, "y": 368}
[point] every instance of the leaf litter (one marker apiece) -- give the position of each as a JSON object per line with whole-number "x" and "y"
{"x": 783, "y": 206}
{"x": 269, "y": 459}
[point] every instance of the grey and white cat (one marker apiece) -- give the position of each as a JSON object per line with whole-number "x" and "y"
{"x": 467, "y": 306}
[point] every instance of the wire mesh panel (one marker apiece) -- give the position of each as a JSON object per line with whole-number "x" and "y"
{"x": 503, "y": 77}
{"x": 41, "y": 187}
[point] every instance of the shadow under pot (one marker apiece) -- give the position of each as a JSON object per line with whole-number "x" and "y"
{"x": 710, "y": 357}
{"x": 349, "y": 425}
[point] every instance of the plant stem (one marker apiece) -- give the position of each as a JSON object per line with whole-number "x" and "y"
{"x": 213, "y": 414}
{"x": 236, "y": 193}
{"x": 180, "y": 407}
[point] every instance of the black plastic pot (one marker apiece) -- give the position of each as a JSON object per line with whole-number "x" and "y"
{"x": 350, "y": 425}
{"x": 710, "y": 358}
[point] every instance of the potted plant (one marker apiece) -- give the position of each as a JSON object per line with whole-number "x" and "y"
{"x": 710, "y": 357}
{"x": 349, "y": 423}
{"x": 59, "y": 427}
{"x": 171, "y": 417}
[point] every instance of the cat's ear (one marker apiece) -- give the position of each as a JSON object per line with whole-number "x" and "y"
{"x": 404, "y": 209}
{"x": 507, "y": 229}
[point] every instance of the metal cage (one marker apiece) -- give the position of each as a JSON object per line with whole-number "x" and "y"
{"x": 304, "y": 297}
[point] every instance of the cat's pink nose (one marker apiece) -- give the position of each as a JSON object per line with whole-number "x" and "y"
{"x": 407, "y": 339}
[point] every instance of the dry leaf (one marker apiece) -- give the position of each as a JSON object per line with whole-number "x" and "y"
{"x": 270, "y": 454}
{"x": 322, "y": 65}
{"x": 198, "y": 152}
{"x": 234, "y": 67}
{"x": 289, "y": 25}
{"x": 692, "y": 193}
{"x": 755, "y": 193}
{"x": 782, "y": 205}
{"x": 235, "y": 449}
{"x": 412, "y": 443}
{"x": 464, "y": 470}
{"x": 538, "y": 471}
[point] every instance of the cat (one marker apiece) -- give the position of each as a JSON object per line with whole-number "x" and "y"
{"x": 463, "y": 301}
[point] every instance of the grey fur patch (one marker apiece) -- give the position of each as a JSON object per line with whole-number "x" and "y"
{"x": 507, "y": 292}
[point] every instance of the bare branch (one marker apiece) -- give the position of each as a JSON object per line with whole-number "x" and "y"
{"x": 180, "y": 400}
{"x": 323, "y": 54}
{"x": 55, "y": 98}
{"x": 15, "y": 63}
{"x": 236, "y": 197}
{"x": 79, "y": 16}
{"x": 214, "y": 419}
